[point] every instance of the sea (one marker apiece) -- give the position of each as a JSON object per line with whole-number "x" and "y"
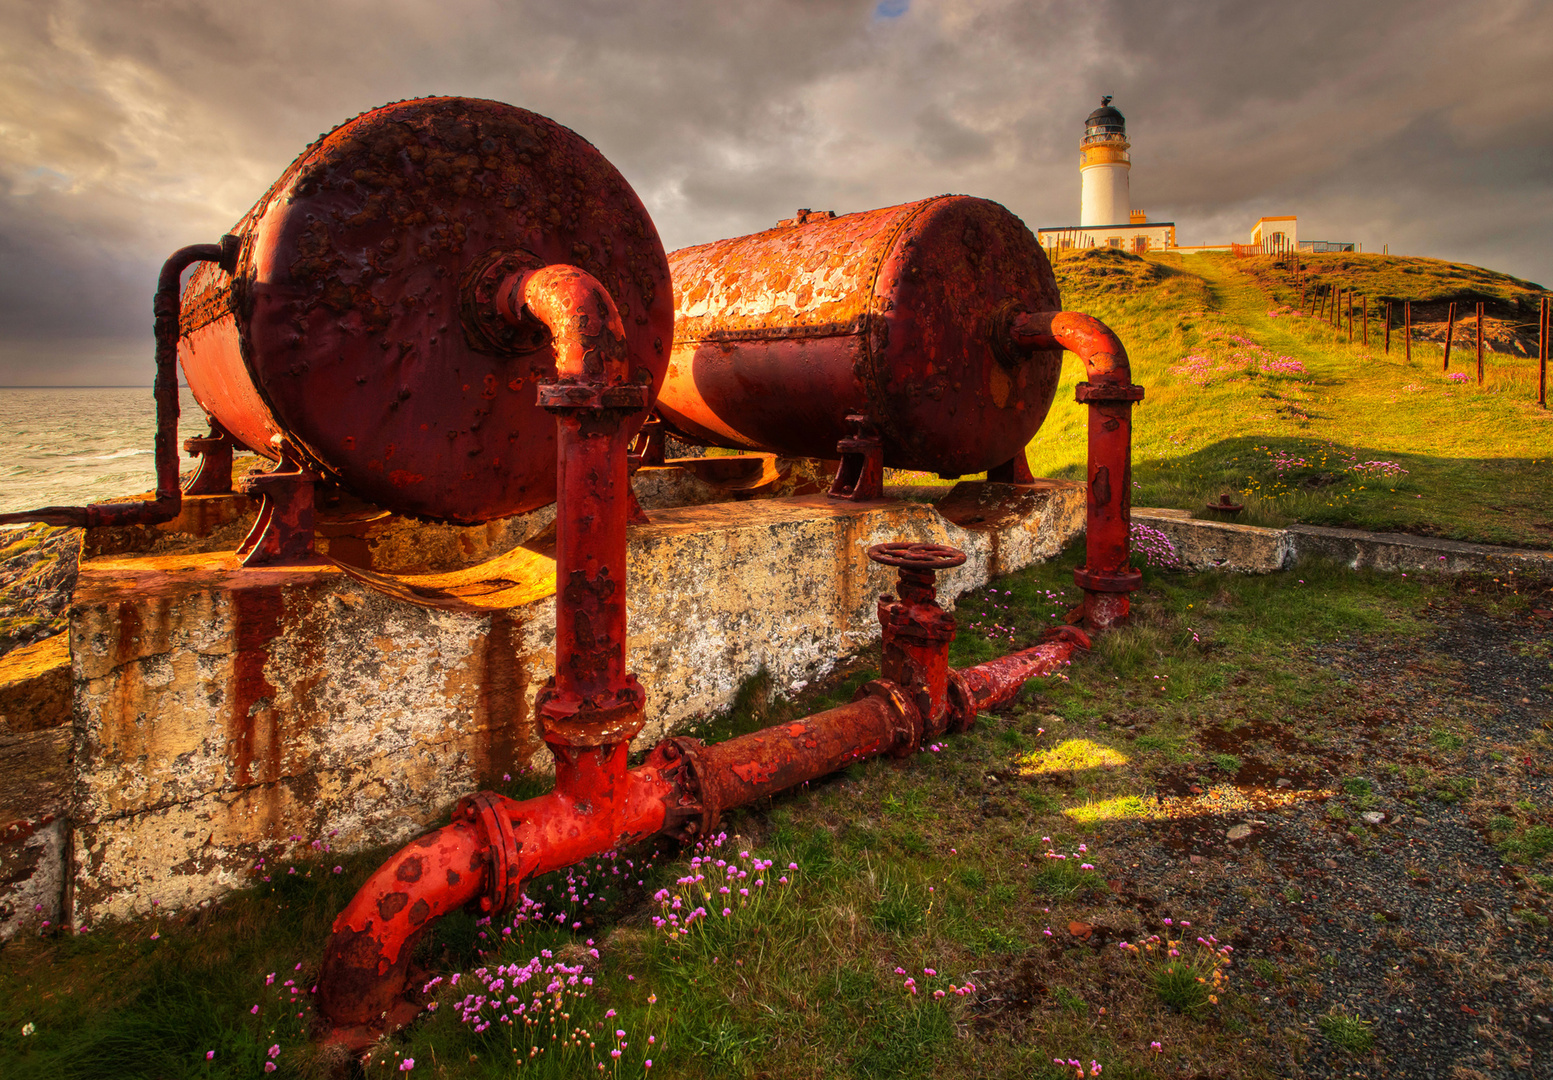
{"x": 68, "y": 446}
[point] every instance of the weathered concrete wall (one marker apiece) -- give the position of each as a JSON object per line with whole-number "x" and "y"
{"x": 219, "y": 710}
{"x": 1252, "y": 549}
{"x": 1220, "y": 545}
{"x": 1393, "y": 551}
{"x": 35, "y": 782}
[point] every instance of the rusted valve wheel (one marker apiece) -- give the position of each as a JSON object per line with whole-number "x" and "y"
{"x": 914, "y": 556}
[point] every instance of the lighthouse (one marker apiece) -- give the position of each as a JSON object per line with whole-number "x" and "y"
{"x": 1104, "y": 197}
{"x": 1106, "y": 216}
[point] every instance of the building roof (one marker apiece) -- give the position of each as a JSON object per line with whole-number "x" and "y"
{"x": 1141, "y": 226}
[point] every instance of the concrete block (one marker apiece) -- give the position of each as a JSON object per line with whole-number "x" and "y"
{"x": 35, "y": 785}
{"x": 35, "y": 686}
{"x": 1220, "y": 545}
{"x": 1400, "y": 551}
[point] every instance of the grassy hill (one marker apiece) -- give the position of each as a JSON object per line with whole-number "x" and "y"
{"x": 1247, "y": 394}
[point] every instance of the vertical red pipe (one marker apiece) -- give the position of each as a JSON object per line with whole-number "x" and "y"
{"x": 587, "y": 714}
{"x": 593, "y": 701}
{"x": 1107, "y": 575}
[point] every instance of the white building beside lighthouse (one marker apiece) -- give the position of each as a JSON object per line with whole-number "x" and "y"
{"x": 1106, "y": 216}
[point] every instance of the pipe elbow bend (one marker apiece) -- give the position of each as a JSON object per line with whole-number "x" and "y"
{"x": 1095, "y": 344}
{"x": 590, "y": 339}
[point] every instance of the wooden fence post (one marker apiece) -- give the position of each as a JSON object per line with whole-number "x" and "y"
{"x": 1366, "y": 299}
{"x": 1407, "y": 329}
{"x": 1450, "y": 328}
{"x": 1350, "y": 316}
{"x": 1388, "y": 327}
{"x": 1542, "y": 354}
{"x": 1480, "y": 343}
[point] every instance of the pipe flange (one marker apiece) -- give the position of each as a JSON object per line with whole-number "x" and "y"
{"x": 568, "y": 720}
{"x": 1071, "y": 634}
{"x": 962, "y": 704}
{"x": 628, "y": 397}
{"x": 486, "y": 810}
{"x": 485, "y": 330}
{"x": 908, "y": 727}
{"x": 916, "y": 556}
{"x": 1097, "y": 393}
{"x": 1117, "y": 581}
{"x": 698, "y": 812}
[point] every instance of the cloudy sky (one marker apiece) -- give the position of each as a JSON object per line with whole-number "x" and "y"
{"x": 129, "y": 128}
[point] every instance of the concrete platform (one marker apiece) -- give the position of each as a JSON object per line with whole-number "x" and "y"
{"x": 219, "y": 710}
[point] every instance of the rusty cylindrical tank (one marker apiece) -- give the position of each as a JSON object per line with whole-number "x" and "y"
{"x": 360, "y": 323}
{"x": 899, "y": 314}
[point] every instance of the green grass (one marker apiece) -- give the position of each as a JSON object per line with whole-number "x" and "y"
{"x": 1348, "y": 1034}
{"x": 1300, "y": 447}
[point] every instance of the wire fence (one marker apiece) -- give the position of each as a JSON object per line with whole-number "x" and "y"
{"x": 1338, "y": 304}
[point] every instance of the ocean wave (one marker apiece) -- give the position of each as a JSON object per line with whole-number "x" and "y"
{"x": 114, "y": 456}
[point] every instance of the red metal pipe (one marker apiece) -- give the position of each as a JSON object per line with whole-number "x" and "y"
{"x": 592, "y": 700}
{"x": 492, "y": 847}
{"x": 495, "y": 845}
{"x": 593, "y": 707}
{"x": 1107, "y": 575}
{"x": 997, "y": 681}
{"x": 589, "y": 711}
{"x": 169, "y": 497}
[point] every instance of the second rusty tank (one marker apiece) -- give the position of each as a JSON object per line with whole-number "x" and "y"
{"x": 901, "y": 315}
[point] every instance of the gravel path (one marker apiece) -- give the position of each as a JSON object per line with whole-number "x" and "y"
{"x": 1406, "y": 918}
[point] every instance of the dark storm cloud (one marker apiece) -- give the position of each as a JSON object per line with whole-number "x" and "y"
{"x": 129, "y": 129}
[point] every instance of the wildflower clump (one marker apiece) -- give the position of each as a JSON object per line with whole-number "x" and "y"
{"x": 1155, "y": 547}
{"x": 725, "y": 896}
{"x": 1226, "y": 356}
{"x": 1189, "y": 978}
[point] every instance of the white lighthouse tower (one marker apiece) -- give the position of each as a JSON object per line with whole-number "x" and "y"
{"x": 1105, "y": 198}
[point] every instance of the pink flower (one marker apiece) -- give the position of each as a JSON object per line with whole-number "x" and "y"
{"x": 210, "y": 1055}
{"x": 275, "y": 1051}
{"x": 269, "y": 1066}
